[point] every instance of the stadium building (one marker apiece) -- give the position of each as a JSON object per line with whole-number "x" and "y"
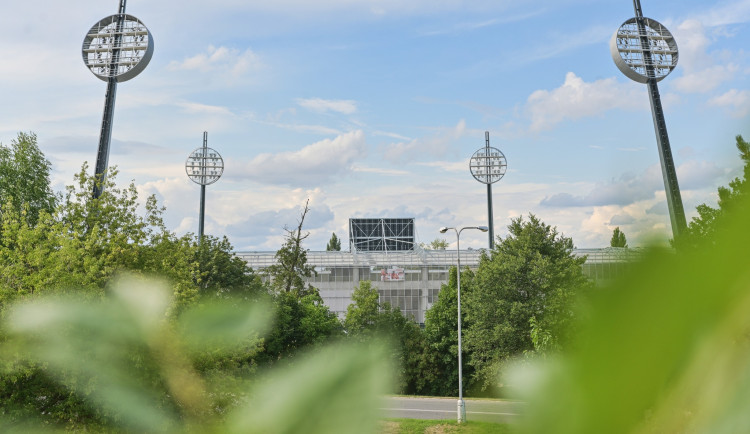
{"x": 385, "y": 252}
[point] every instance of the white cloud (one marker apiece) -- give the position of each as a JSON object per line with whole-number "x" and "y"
{"x": 448, "y": 166}
{"x": 392, "y": 135}
{"x": 319, "y": 105}
{"x": 304, "y": 128}
{"x": 198, "y": 108}
{"x": 706, "y": 79}
{"x": 223, "y": 60}
{"x": 437, "y": 144}
{"x": 377, "y": 8}
{"x": 736, "y": 100}
{"x": 727, "y": 13}
{"x": 576, "y": 99}
{"x": 380, "y": 171}
{"x": 701, "y": 72}
{"x": 318, "y": 162}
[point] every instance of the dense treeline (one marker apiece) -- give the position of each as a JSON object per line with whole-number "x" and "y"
{"x": 179, "y": 355}
{"x": 517, "y": 303}
{"x": 70, "y": 365}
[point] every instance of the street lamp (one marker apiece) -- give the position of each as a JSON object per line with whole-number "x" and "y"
{"x": 461, "y": 410}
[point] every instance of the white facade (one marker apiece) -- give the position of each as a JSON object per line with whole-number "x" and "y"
{"x": 412, "y": 279}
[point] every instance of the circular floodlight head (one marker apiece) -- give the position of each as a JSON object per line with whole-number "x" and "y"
{"x": 644, "y": 51}
{"x": 204, "y": 166}
{"x": 119, "y": 46}
{"x": 488, "y": 165}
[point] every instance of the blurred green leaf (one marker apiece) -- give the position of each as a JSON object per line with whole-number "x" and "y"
{"x": 665, "y": 349}
{"x": 102, "y": 349}
{"x": 338, "y": 389}
{"x": 217, "y": 326}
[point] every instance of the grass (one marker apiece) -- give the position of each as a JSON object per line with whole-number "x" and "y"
{"x": 420, "y": 426}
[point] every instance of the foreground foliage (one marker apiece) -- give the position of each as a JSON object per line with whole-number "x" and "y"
{"x": 128, "y": 367}
{"x": 664, "y": 349}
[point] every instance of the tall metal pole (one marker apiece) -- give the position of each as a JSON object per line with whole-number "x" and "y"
{"x": 461, "y": 409}
{"x": 490, "y": 219}
{"x": 105, "y": 134}
{"x": 669, "y": 172}
{"x": 203, "y": 189}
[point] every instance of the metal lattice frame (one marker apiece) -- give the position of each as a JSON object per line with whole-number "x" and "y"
{"x": 119, "y": 46}
{"x": 643, "y": 52}
{"x": 488, "y": 165}
{"x": 381, "y": 234}
{"x": 646, "y": 52}
{"x": 204, "y": 166}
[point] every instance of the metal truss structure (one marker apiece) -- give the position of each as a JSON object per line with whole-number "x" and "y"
{"x": 381, "y": 234}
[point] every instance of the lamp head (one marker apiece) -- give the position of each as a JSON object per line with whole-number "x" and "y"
{"x": 443, "y": 230}
{"x": 483, "y": 228}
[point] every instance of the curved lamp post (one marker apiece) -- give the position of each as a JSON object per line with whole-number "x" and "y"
{"x": 461, "y": 409}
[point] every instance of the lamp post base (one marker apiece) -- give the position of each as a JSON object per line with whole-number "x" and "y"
{"x": 461, "y": 411}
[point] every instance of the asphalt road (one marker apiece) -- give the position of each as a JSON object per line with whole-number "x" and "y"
{"x": 445, "y": 408}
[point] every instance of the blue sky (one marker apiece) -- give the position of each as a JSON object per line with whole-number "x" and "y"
{"x": 372, "y": 108}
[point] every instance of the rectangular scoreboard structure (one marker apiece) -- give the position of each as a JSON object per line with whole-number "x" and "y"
{"x": 381, "y": 234}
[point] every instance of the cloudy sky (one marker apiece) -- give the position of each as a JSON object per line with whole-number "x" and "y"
{"x": 372, "y": 108}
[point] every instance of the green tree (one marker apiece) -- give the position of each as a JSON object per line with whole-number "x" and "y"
{"x": 362, "y": 314}
{"x": 301, "y": 322}
{"x": 406, "y": 348}
{"x": 618, "y": 238}
{"x": 436, "y": 244}
{"x": 709, "y": 219}
{"x": 222, "y": 274}
{"x": 86, "y": 241}
{"x": 302, "y": 319}
{"x": 291, "y": 269}
{"x": 368, "y": 320}
{"x": 530, "y": 278}
{"x": 24, "y": 178}
{"x": 334, "y": 244}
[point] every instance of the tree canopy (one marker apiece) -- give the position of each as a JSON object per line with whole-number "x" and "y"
{"x": 618, "y": 238}
{"x": 436, "y": 244}
{"x": 368, "y": 320}
{"x": 24, "y": 178}
{"x": 530, "y": 277}
{"x": 709, "y": 219}
{"x": 334, "y": 244}
{"x": 288, "y": 274}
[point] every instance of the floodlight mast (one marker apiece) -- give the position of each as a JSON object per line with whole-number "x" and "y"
{"x": 204, "y": 166}
{"x": 488, "y": 165}
{"x": 115, "y": 49}
{"x": 203, "y": 189}
{"x": 669, "y": 171}
{"x": 490, "y": 218}
{"x": 105, "y": 135}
